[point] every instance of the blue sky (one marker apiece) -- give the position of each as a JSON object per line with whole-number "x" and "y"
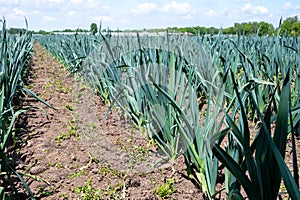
{"x": 133, "y": 14}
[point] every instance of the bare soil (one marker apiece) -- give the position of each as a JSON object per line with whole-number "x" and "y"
{"x": 71, "y": 152}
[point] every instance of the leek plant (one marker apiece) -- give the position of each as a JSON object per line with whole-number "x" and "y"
{"x": 125, "y": 76}
{"x": 160, "y": 91}
{"x": 263, "y": 159}
{"x": 71, "y": 50}
{"x": 199, "y": 124}
{"x": 199, "y": 133}
{"x": 15, "y": 52}
{"x": 14, "y": 55}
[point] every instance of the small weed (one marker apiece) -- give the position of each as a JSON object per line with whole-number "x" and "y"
{"x": 93, "y": 126}
{"x": 152, "y": 181}
{"x": 50, "y": 164}
{"x": 60, "y": 137}
{"x": 47, "y": 86}
{"x": 139, "y": 150}
{"x": 72, "y": 131}
{"x": 79, "y": 94}
{"x": 64, "y": 195}
{"x": 93, "y": 159}
{"x": 165, "y": 189}
{"x": 44, "y": 192}
{"x": 59, "y": 165}
{"x": 72, "y": 128}
{"x": 88, "y": 191}
{"x": 136, "y": 153}
{"x": 69, "y": 107}
{"x": 112, "y": 192}
{"x": 74, "y": 120}
{"x": 107, "y": 169}
{"x": 77, "y": 174}
{"x": 121, "y": 144}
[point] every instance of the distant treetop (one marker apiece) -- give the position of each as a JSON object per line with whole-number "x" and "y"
{"x": 289, "y": 27}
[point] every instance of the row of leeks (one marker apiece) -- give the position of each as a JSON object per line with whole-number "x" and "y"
{"x": 70, "y": 50}
{"x": 15, "y": 53}
{"x": 190, "y": 93}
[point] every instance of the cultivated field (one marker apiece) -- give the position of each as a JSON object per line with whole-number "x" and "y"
{"x": 149, "y": 116}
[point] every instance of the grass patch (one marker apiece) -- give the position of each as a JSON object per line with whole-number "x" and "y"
{"x": 87, "y": 191}
{"x": 166, "y": 189}
{"x": 72, "y": 131}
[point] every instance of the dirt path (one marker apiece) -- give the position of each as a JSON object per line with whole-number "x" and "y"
{"x": 77, "y": 157}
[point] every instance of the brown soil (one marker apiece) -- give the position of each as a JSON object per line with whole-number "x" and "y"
{"x": 73, "y": 153}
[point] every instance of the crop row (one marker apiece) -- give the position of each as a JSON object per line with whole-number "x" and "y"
{"x": 195, "y": 96}
{"x": 15, "y": 54}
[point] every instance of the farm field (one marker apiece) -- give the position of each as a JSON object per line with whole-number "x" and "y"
{"x": 149, "y": 117}
{"x": 60, "y": 151}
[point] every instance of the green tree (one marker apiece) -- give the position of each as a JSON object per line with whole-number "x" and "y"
{"x": 287, "y": 24}
{"x": 16, "y": 30}
{"x": 296, "y": 29}
{"x": 250, "y": 28}
{"x": 42, "y": 32}
{"x": 229, "y": 30}
{"x": 265, "y": 28}
{"x": 237, "y": 27}
{"x": 94, "y": 28}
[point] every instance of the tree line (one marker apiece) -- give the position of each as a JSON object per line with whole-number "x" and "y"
{"x": 289, "y": 27}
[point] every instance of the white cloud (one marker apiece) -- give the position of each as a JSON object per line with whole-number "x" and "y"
{"x": 17, "y": 11}
{"x": 3, "y": 9}
{"x": 75, "y": 1}
{"x": 175, "y": 7}
{"x": 125, "y": 21}
{"x": 144, "y": 8}
{"x": 72, "y": 13}
{"x": 36, "y": 12}
{"x": 38, "y": 2}
{"x": 211, "y": 13}
{"x": 92, "y": 4}
{"x": 214, "y": 14}
{"x": 49, "y": 18}
{"x": 103, "y": 18}
{"x": 44, "y": 3}
{"x": 232, "y": 14}
{"x": 56, "y": 1}
{"x": 255, "y": 10}
{"x": 289, "y": 6}
{"x": 188, "y": 16}
{"x": 242, "y": 0}
{"x": 11, "y": 2}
